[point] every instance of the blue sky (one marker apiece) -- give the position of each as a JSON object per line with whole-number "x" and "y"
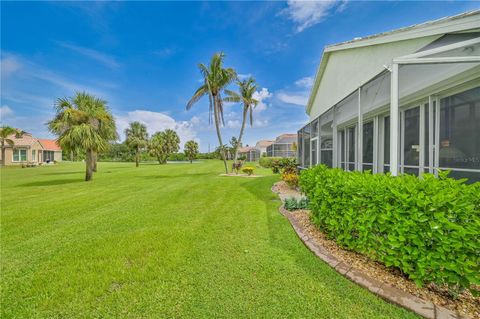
{"x": 142, "y": 57}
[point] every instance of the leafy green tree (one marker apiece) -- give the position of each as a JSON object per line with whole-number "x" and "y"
{"x": 215, "y": 79}
{"x": 136, "y": 139}
{"x": 191, "y": 150}
{"x": 247, "y": 89}
{"x": 5, "y": 132}
{"x": 163, "y": 144}
{"x": 85, "y": 123}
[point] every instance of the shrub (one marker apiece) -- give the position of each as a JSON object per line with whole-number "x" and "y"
{"x": 248, "y": 170}
{"x": 291, "y": 178}
{"x": 266, "y": 162}
{"x": 429, "y": 228}
{"x": 294, "y": 204}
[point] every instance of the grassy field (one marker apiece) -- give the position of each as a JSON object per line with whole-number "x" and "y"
{"x": 161, "y": 241}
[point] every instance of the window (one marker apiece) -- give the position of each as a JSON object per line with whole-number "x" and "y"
{"x": 351, "y": 148}
{"x": 411, "y": 141}
{"x": 460, "y": 131}
{"x": 342, "y": 149}
{"x": 386, "y": 144}
{"x": 19, "y": 155}
{"x": 314, "y": 152}
{"x": 367, "y": 157}
{"x": 306, "y": 146}
{"x": 326, "y": 144}
{"x": 300, "y": 148}
{"x": 34, "y": 153}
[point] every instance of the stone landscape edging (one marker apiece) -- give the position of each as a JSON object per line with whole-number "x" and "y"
{"x": 424, "y": 308}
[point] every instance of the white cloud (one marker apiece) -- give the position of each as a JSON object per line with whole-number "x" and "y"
{"x": 103, "y": 58}
{"x": 305, "y": 82}
{"x": 10, "y": 65}
{"x": 296, "y": 98}
{"x": 233, "y": 124}
{"x": 260, "y": 96}
{"x": 308, "y": 13}
{"x": 156, "y": 121}
{"x": 5, "y": 111}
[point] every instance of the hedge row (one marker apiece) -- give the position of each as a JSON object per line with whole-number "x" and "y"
{"x": 267, "y": 162}
{"x": 427, "y": 227}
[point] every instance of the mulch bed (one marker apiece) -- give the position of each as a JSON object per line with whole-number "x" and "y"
{"x": 465, "y": 304}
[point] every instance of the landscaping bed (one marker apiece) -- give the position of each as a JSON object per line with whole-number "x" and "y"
{"x": 464, "y": 304}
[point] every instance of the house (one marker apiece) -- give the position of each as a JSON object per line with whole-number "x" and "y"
{"x": 262, "y": 145}
{"x": 30, "y": 150}
{"x": 284, "y": 146}
{"x": 51, "y": 150}
{"x": 251, "y": 153}
{"x": 404, "y": 101}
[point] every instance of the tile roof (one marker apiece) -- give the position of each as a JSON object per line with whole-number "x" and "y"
{"x": 26, "y": 139}
{"x": 49, "y": 145}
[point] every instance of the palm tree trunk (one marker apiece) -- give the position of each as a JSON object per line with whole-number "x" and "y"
{"x": 137, "y": 156}
{"x": 3, "y": 153}
{"x": 89, "y": 165}
{"x": 94, "y": 164}
{"x": 239, "y": 141}
{"x": 219, "y": 136}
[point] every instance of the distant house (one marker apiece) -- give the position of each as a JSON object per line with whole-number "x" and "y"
{"x": 251, "y": 153}
{"x": 51, "y": 150}
{"x": 262, "y": 145}
{"x": 284, "y": 146}
{"x": 30, "y": 150}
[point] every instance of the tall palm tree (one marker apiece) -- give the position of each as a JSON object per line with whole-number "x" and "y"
{"x": 215, "y": 79}
{"x": 5, "y": 132}
{"x": 136, "y": 139}
{"x": 85, "y": 123}
{"x": 247, "y": 88}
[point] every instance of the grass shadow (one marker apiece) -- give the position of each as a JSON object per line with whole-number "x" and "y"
{"x": 176, "y": 176}
{"x": 52, "y": 182}
{"x": 63, "y": 173}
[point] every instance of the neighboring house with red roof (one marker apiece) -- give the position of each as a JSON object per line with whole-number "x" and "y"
{"x": 27, "y": 149}
{"x": 51, "y": 150}
{"x": 251, "y": 153}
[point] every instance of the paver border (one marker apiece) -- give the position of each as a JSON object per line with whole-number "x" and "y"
{"x": 422, "y": 307}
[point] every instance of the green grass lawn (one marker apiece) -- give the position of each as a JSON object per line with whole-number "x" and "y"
{"x": 166, "y": 241}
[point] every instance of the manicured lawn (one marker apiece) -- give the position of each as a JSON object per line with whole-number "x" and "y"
{"x": 161, "y": 241}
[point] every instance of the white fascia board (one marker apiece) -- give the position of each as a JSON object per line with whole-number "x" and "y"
{"x": 454, "y": 24}
{"x": 453, "y": 59}
{"x": 444, "y": 48}
{"x": 317, "y": 80}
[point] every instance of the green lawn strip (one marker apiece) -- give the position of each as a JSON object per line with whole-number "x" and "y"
{"x": 174, "y": 240}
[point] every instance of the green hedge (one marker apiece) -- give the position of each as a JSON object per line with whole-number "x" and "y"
{"x": 427, "y": 227}
{"x": 267, "y": 162}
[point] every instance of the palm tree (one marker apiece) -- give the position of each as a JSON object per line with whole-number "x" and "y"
{"x": 136, "y": 139}
{"x": 191, "y": 150}
{"x": 162, "y": 144}
{"x": 215, "y": 78}
{"x": 247, "y": 87}
{"x": 5, "y": 132}
{"x": 85, "y": 123}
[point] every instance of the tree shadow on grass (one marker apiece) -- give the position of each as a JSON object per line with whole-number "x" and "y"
{"x": 186, "y": 175}
{"x": 52, "y": 182}
{"x": 64, "y": 173}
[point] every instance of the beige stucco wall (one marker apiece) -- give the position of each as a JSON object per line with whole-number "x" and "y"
{"x": 57, "y": 156}
{"x": 38, "y": 156}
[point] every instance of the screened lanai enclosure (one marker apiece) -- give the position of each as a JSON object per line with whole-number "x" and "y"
{"x": 420, "y": 114}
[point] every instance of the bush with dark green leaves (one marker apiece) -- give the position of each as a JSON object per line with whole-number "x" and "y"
{"x": 266, "y": 162}
{"x": 427, "y": 227}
